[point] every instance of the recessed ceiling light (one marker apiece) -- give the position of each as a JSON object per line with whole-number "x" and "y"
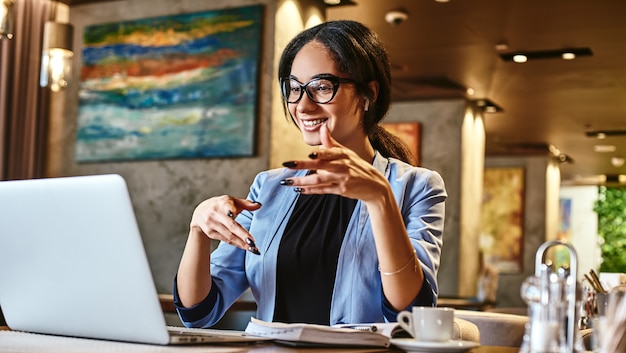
{"x": 332, "y": 2}
{"x": 570, "y": 53}
{"x": 502, "y": 46}
{"x": 470, "y": 91}
{"x": 604, "y": 148}
{"x": 488, "y": 106}
{"x": 519, "y": 58}
{"x": 601, "y": 134}
{"x": 568, "y": 56}
{"x": 617, "y": 161}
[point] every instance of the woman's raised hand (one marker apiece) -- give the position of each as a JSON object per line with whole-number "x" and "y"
{"x": 338, "y": 170}
{"x": 215, "y": 217}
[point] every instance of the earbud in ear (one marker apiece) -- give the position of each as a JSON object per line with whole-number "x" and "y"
{"x": 367, "y": 104}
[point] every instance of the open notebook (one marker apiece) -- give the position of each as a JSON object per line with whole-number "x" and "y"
{"x": 72, "y": 263}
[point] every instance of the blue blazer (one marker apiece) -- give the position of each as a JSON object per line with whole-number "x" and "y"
{"x": 358, "y": 295}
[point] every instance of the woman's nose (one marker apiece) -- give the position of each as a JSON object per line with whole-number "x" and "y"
{"x": 306, "y": 104}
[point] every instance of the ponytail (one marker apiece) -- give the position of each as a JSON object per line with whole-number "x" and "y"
{"x": 389, "y": 145}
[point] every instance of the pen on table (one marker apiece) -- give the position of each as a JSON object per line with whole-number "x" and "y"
{"x": 370, "y": 328}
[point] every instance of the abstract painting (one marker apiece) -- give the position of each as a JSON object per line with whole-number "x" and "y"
{"x": 180, "y": 86}
{"x": 502, "y": 218}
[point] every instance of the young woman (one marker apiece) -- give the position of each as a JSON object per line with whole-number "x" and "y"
{"x": 349, "y": 234}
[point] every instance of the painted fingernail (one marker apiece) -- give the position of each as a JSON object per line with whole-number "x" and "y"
{"x": 254, "y": 250}
{"x": 286, "y": 182}
{"x": 313, "y": 155}
{"x": 257, "y": 202}
{"x": 250, "y": 242}
{"x": 290, "y": 164}
{"x": 230, "y": 213}
{"x": 298, "y": 189}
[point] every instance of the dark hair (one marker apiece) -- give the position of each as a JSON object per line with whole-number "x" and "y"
{"x": 360, "y": 53}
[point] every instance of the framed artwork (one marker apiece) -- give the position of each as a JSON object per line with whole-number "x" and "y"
{"x": 409, "y": 132}
{"x": 180, "y": 86}
{"x": 502, "y": 218}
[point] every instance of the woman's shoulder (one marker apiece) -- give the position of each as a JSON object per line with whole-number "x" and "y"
{"x": 398, "y": 168}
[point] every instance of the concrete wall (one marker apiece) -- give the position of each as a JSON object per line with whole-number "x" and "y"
{"x": 440, "y": 147}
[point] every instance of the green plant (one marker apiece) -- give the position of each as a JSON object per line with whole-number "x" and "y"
{"x": 611, "y": 210}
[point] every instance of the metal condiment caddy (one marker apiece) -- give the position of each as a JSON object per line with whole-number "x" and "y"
{"x": 553, "y": 297}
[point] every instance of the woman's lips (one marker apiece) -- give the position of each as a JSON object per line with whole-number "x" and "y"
{"x": 312, "y": 124}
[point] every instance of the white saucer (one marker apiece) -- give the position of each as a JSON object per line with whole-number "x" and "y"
{"x": 411, "y": 345}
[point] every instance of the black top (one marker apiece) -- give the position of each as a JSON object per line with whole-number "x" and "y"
{"x": 307, "y": 258}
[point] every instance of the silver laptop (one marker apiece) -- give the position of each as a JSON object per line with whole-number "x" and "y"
{"x": 72, "y": 263}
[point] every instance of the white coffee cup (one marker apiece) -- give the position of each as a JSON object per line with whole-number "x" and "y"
{"x": 428, "y": 323}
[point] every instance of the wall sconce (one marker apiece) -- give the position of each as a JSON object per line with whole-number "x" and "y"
{"x": 6, "y": 19}
{"x": 56, "y": 59}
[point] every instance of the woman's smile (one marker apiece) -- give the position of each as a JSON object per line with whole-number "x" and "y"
{"x": 312, "y": 124}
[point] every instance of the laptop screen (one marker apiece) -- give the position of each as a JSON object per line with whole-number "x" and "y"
{"x": 72, "y": 261}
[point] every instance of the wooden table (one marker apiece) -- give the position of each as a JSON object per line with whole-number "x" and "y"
{"x": 27, "y": 343}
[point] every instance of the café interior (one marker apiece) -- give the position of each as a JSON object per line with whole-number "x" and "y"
{"x": 524, "y": 86}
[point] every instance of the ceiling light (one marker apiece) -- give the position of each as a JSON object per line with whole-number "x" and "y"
{"x": 604, "y": 148}
{"x": 617, "y": 162}
{"x": 442, "y": 0}
{"x": 339, "y": 2}
{"x": 6, "y": 19}
{"x": 565, "y": 53}
{"x": 519, "y": 58}
{"x": 488, "y": 106}
{"x": 470, "y": 91}
{"x": 564, "y": 158}
{"x": 396, "y": 17}
{"x": 502, "y": 46}
{"x": 600, "y": 134}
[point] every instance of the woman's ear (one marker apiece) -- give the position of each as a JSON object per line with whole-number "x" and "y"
{"x": 373, "y": 87}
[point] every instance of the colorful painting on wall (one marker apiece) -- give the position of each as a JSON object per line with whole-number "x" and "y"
{"x": 180, "y": 86}
{"x": 502, "y": 218}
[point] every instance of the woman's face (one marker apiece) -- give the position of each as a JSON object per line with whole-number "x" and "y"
{"x": 342, "y": 115}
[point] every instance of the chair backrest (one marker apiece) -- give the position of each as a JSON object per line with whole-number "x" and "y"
{"x": 465, "y": 330}
{"x": 496, "y": 329}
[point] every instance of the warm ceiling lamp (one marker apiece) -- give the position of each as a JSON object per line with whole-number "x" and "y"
{"x": 565, "y": 53}
{"x": 56, "y": 60}
{"x": 6, "y": 19}
{"x": 339, "y": 2}
{"x": 488, "y": 106}
{"x": 519, "y": 58}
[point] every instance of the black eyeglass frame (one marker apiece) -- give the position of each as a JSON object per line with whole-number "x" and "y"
{"x": 336, "y": 81}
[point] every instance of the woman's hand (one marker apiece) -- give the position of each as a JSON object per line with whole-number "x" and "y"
{"x": 215, "y": 218}
{"x": 339, "y": 171}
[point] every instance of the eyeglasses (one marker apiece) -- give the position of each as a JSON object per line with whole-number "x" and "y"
{"x": 320, "y": 90}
